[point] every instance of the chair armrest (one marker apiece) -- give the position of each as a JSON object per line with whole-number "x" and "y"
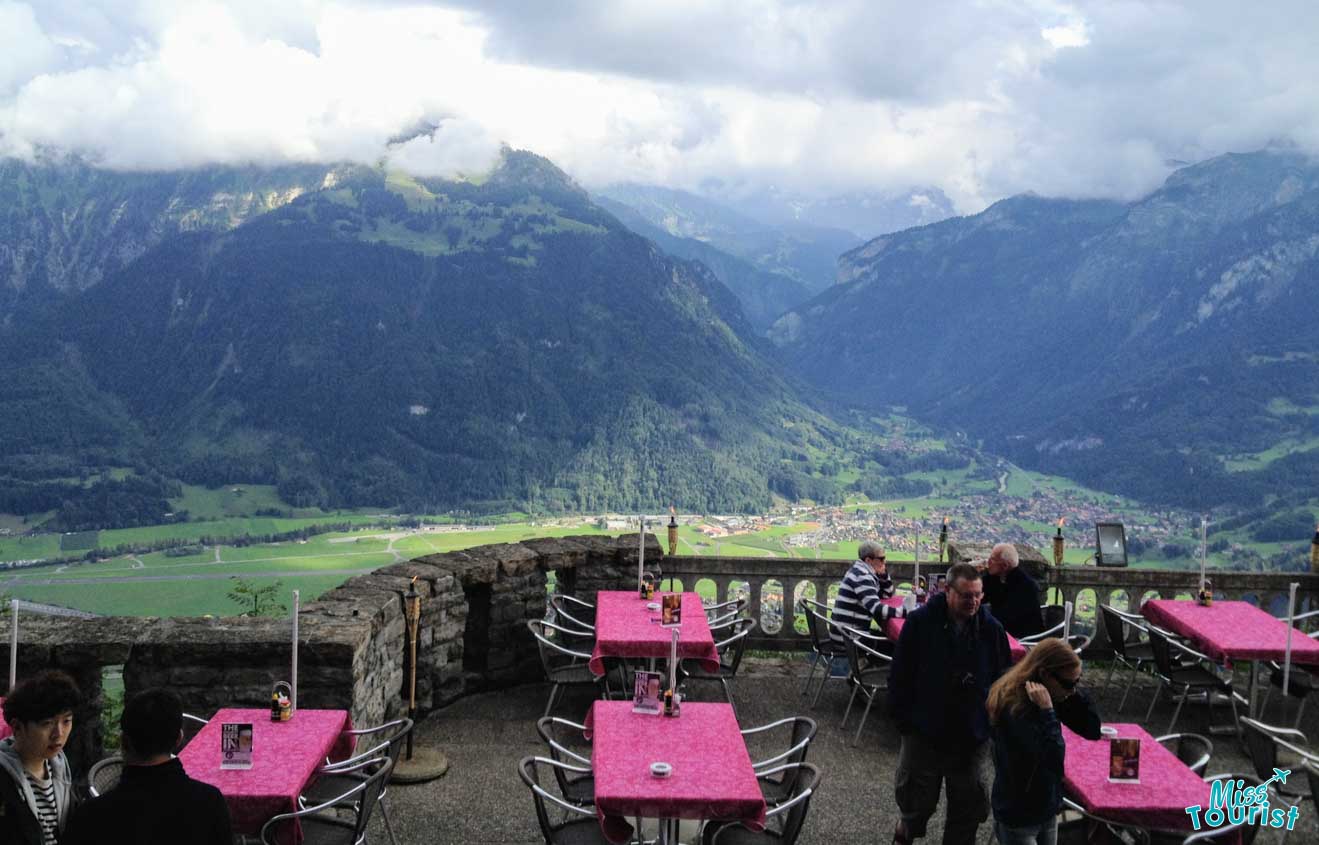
{"x": 780, "y": 722}
{"x": 778, "y": 758}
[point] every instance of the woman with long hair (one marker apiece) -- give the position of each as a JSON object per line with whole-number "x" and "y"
{"x": 1026, "y": 706}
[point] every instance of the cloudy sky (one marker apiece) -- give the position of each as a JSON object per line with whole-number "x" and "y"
{"x": 982, "y": 99}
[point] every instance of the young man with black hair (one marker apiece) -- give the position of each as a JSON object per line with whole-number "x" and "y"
{"x": 949, "y": 653}
{"x": 155, "y": 803}
{"x": 35, "y": 783}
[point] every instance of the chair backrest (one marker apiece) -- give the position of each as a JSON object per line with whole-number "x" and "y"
{"x": 817, "y": 626}
{"x": 577, "y": 614}
{"x": 547, "y": 727}
{"x": 732, "y": 647}
{"x": 362, "y": 797}
{"x": 807, "y": 782}
{"x": 374, "y": 785}
{"x": 1162, "y": 650}
{"x": 1053, "y": 614}
{"x": 1260, "y": 746}
{"x": 554, "y": 655}
{"x": 528, "y": 770}
{"x": 859, "y": 651}
{"x": 1250, "y": 831}
{"x": 104, "y": 775}
{"x": 1115, "y": 629}
{"x": 1194, "y": 750}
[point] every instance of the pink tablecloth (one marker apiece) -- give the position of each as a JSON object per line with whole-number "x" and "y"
{"x": 1166, "y": 788}
{"x": 712, "y": 775}
{"x": 4, "y": 726}
{"x": 893, "y": 629}
{"x": 623, "y": 628}
{"x": 285, "y": 755}
{"x": 1231, "y": 630}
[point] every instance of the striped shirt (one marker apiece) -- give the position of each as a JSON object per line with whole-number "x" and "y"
{"x": 859, "y": 597}
{"x": 48, "y": 813}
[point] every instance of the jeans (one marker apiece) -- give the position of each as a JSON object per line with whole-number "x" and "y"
{"x": 923, "y": 769}
{"x": 1040, "y": 834}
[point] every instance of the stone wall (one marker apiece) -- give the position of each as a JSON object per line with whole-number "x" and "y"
{"x": 352, "y": 643}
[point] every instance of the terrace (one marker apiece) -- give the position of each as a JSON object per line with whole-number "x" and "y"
{"x": 480, "y": 685}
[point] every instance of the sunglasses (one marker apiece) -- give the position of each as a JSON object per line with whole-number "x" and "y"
{"x": 1066, "y": 683}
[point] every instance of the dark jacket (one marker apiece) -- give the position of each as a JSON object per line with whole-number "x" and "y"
{"x": 940, "y": 678}
{"x": 152, "y": 805}
{"x": 1014, "y": 601}
{"x": 1028, "y": 759}
{"x": 18, "y": 821}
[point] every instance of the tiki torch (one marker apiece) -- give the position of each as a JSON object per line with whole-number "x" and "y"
{"x": 1314, "y": 550}
{"x": 943, "y": 540}
{"x": 673, "y": 531}
{"x": 412, "y": 601}
{"x": 1058, "y": 544}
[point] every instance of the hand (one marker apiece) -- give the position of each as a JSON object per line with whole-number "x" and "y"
{"x": 1039, "y": 695}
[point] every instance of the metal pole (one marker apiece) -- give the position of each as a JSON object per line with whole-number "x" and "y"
{"x": 13, "y": 646}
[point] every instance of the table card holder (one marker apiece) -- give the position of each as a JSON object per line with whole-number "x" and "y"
{"x": 236, "y": 745}
{"x": 671, "y": 610}
{"x": 1124, "y": 761}
{"x": 646, "y": 697}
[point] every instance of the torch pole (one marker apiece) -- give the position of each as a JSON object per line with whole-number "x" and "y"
{"x": 414, "y": 620}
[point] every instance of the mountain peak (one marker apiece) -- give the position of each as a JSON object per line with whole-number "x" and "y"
{"x": 525, "y": 169}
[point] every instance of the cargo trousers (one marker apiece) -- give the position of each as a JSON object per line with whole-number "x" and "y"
{"x": 923, "y": 769}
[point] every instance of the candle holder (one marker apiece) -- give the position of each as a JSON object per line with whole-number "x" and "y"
{"x": 1058, "y": 545}
{"x": 673, "y": 531}
{"x": 943, "y": 541}
{"x": 416, "y": 765}
{"x": 1314, "y": 551}
{"x": 1206, "y": 596}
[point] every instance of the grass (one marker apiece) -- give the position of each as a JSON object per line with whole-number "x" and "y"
{"x": 1247, "y": 462}
{"x": 164, "y": 598}
{"x": 203, "y": 503}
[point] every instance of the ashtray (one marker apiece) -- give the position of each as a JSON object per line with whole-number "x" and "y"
{"x": 661, "y": 770}
{"x": 653, "y": 605}
{"x": 1107, "y": 731}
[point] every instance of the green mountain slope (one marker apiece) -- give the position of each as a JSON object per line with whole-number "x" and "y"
{"x": 1135, "y": 346}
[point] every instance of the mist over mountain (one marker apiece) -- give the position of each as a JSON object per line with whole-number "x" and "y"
{"x": 1164, "y": 348}
{"x": 865, "y": 214}
{"x": 371, "y": 338}
{"x": 805, "y": 253}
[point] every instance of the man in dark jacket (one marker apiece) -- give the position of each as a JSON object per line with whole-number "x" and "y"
{"x": 155, "y": 803}
{"x": 949, "y": 653}
{"x": 1012, "y": 595}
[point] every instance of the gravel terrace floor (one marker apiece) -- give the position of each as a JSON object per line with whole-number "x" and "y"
{"x": 482, "y": 800}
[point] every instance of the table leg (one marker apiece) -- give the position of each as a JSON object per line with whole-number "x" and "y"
{"x": 668, "y": 832}
{"x": 1250, "y": 695}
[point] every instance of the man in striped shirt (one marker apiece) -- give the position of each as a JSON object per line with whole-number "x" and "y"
{"x": 863, "y": 587}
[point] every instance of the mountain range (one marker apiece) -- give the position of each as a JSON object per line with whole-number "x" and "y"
{"x": 1165, "y": 348}
{"x": 358, "y": 337}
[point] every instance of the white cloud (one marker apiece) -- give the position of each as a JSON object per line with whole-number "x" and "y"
{"x": 982, "y": 99}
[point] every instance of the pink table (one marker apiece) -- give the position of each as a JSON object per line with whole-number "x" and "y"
{"x": 1231, "y": 630}
{"x": 1167, "y": 787}
{"x": 623, "y": 628}
{"x": 712, "y": 775}
{"x": 893, "y": 629}
{"x": 285, "y": 756}
{"x": 5, "y": 730}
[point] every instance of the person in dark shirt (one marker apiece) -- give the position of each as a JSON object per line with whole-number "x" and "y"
{"x": 949, "y": 653}
{"x": 155, "y": 803}
{"x": 1012, "y": 595}
{"x": 1025, "y": 708}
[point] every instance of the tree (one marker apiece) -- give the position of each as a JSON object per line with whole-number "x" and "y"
{"x": 262, "y": 601}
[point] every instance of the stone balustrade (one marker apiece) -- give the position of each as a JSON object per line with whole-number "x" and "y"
{"x": 473, "y": 634}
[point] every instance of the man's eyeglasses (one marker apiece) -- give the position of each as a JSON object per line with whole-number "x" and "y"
{"x": 879, "y": 558}
{"x": 969, "y": 595}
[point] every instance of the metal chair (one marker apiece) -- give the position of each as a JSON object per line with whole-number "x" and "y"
{"x": 777, "y": 790}
{"x": 1263, "y": 744}
{"x": 1132, "y": 655}
{"x": 1188, "y": 677}
{"x": 730, "y": 650}
{"x": 1055, "y": 623}
{"x": 563, "y": 666}
{"x": 792, "y": 812}
{"x": 1250, "y": 831}
{"x": 575, "y": 613}
{"x": 581, "y": 828}
{"x": 320, "y": 828}
{"x": 725, "y": 610}
{"x": 1215, "y": 834}
{"x": 868, "y": 670}
{"x": 104, "y": 775}
{"x": 1079, "y": 831}
{"x": 579, "y": 789}
{"x": 1192, "y": 749}
{"x": 1301, "y": 683}
{"x": 334, "y": 779}
{"x": 824, "y": 647}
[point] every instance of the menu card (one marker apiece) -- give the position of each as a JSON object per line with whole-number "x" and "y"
{"x": 236, "y": 745}
{"x": 646, "y": 693}
{"x": 1124, "y": 761}
{"x": 671, "y": 611}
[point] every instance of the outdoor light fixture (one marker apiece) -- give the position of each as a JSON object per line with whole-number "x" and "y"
{"x": 418, "y": 764}
{"x": 1110, "y": 544}
{"x": 943, "y": 540}
{"x": 673, "y": 531}
{"x": 1058, "y": 544}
